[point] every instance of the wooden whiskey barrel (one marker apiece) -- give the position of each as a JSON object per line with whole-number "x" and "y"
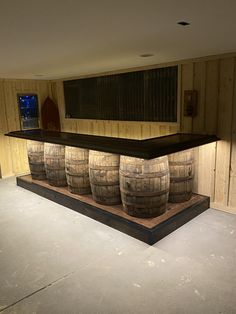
{"x": 104, "y": 177}
{"x": 77, "y": 171}
{"x": 54, "y": 159}
{"x": 181, "y": 176}
{"x": 144, "y": 185}
{"x": 35, "y": 152}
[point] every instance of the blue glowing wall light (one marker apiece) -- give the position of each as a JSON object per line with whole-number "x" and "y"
{"x": 28, "y": 105}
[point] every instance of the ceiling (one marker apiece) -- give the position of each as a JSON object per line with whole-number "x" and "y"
{"x": 59, "y": 39}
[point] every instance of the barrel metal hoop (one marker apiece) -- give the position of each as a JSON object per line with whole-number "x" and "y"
{"x": 144, "y": 194}
{"x": 180, "y": 193}
{"x": 115, "y": 184}
{"x": 181, "y": 163}
{"x": 79, "y": 175}
{"x": 144, "y": 176}
{"x": 104, "y": 168}
{"x": 74, "y": 162}
{"x": 36, "y": 163}
{"x": 182, "y": 179}
{"x": 53, "y": 169}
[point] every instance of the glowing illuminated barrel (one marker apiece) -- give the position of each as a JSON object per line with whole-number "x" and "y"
{"x": 35, "y": 152}
{"x": 181, "y": 166}
{"x": 144, "y": 185}
{"x": 54, "y": 159}
{"x": 77, "y": 170}
{"x": 104, "y": 177}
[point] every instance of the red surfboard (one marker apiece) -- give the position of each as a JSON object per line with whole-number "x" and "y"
{"x": 50, "y": 116}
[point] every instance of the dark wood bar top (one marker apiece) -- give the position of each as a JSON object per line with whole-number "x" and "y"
{"x": 147, "y": 148}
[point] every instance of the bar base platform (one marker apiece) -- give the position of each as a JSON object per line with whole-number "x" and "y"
{"x": 148, "y": 230}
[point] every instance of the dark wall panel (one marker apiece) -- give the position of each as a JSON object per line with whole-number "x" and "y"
{"x": 149, "y": 95}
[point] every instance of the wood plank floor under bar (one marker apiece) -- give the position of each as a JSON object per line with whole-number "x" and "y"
{"x": 149, "y": 230}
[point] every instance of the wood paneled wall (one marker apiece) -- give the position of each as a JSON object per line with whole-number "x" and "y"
{"x": 215, "y": 80}
{"x": 215, "y": 170}
{"x": 13, "y": 156}
{"x": 215, "y": 164}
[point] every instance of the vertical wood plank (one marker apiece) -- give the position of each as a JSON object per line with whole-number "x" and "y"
{"x": 196, "y": 170}
{"x": 3, "y": 115}
{"x": 212, "y": 96}
{"x": 204, "y": 170}
{"x": 179, "y": 95}
{"x": 145, "y": 130}
{"x": 12, "y": 111}
{"x": 61, "y": 104}
{"x": 187, "y": 71}
{"x": 232, "y": 183}
{"x": 206, "y": 83}
{"x": 199, "y": 84}
{"x": 207, "y": 156}
{"x": 5, "y": 157}
{"x": 115, "y": 128}
{"x": 224, "y": 130}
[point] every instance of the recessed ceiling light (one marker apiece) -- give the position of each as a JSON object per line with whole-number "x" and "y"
{"x": 183, "y": 23}
{"x": 146, "y": 55}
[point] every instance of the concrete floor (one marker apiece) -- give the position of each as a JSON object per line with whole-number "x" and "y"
{"x": 54, "y": 260}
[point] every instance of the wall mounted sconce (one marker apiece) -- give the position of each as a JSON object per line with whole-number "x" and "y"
{"x": 190, "y": 103}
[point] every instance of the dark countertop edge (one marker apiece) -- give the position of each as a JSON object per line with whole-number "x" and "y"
{"x": 177, "y": 147}
{"x": 145, "y": 152}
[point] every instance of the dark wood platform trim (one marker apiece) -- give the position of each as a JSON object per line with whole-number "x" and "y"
{"x": 148, "y": 230}
{"x": 147, "y": 149}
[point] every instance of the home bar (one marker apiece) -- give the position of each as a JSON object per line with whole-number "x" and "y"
{"x": 136, "y": 173}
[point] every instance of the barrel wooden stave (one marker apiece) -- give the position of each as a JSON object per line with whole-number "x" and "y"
{"x": 144, "y": 186}
{"x": 77, "y": 170}
{"x": 35, "y": 152}
{"x": 181, "y": 167}
{"x": 104, "y": 177}
{"x": 54, "y": 159}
